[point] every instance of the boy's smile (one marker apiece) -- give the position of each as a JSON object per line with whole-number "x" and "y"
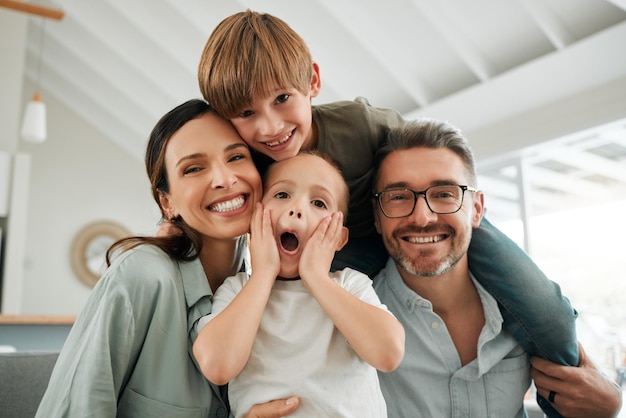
{"x": 280, "y": 141}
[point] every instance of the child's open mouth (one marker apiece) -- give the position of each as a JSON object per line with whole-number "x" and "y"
{"x": 289, "y": 241}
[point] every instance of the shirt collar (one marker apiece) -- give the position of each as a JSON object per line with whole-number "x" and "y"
{"x": 401, "y": 291}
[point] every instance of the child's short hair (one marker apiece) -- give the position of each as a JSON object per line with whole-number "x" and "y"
{"x": 248, "y": 55}
{"x": 342, "y": 200}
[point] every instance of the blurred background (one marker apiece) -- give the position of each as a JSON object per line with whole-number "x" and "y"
{"x": 538, "y": 87}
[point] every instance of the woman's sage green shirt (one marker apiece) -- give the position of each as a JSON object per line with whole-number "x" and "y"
{"x": 128, "y": 353}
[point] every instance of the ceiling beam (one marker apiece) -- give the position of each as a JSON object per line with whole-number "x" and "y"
{"x": 441, "y": 21}
{"x": 583, "y": 65}
{"x": 549, "y": 23}
{"x": 369, "y": 42}
{"x": 567, "y": 184}
{"x": 619, "y": 3}
{"x": 33, "y": 9}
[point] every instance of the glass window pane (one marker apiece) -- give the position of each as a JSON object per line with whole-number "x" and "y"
{"x": 574, "y": 200}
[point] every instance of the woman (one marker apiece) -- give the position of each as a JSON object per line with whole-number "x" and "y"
{"x": 128, "y": 355}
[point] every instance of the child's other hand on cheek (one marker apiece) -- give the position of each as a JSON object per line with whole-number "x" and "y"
{"x": 319, "y": 251}
{"x": 263, "y": 248}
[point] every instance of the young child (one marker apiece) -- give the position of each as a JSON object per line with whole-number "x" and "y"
{"x": 258, "y": 73}
{"x": 292, "y": 327}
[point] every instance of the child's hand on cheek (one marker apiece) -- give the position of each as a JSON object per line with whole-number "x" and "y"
{"x": 263, "y": 248}
{"x": 320, "y": 249}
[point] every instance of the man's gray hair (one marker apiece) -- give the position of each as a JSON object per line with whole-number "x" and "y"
{"x": 427, "y": 133}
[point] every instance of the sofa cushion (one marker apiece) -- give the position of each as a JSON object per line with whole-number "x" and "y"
{"x": 24, "y": 378}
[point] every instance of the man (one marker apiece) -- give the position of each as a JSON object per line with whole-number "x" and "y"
{"x": 458, "y": 362}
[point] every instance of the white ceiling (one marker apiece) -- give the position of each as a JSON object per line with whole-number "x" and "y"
{"x": 121, "y": 64}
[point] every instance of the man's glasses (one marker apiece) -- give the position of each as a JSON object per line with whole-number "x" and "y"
{"x": 399, "y": 203}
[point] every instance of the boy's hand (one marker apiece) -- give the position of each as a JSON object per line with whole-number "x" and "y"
{"x": 320, "y": 249}
{"x": 263, "y": 248}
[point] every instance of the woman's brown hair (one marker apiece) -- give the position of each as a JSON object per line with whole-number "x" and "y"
{"x": 185, "y": 243}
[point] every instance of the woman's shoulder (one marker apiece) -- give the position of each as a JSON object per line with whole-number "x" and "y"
{"x": 144, "y": 266}
{"x": 138, "y": 282}
{"x": 145, "y": 255}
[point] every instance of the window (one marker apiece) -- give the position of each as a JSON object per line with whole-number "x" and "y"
{"x": 564, "y": 202}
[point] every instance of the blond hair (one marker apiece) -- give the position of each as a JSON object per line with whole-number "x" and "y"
{"x": 247, "y": 56}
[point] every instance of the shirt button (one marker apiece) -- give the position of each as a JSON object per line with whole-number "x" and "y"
{"x": 435, "y": 325}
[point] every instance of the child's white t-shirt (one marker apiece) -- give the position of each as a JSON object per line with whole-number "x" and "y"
{"x": 299, "y": 351}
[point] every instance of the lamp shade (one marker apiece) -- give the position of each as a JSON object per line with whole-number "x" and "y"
{"x": 34, "y": 124}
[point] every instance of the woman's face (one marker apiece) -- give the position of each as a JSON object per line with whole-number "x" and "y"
{"x": 213, "y": 181}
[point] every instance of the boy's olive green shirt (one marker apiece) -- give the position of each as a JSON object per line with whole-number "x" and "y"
{"x": 128, "y": 354}
{"x": 351, "y": 132}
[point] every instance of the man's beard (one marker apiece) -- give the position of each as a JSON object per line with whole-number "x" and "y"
{"x": 417, "y": 264}
{"x": 413, "y": 266}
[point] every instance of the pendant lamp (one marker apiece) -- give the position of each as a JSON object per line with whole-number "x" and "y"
{"x": 34, "y": 127}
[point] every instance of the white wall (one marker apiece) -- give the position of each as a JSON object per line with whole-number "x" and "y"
{"x": 12, "y": 35}
{"x": 77, "y": 177}
{"x": 12, "y": 42}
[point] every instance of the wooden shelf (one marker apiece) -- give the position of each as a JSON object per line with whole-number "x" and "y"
{"x": 36, "y": 320}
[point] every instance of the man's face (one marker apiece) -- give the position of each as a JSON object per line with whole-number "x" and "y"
{"x": 424, "y": 243}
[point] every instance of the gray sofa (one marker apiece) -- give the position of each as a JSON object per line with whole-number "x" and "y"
{"x": 24, "y": 378}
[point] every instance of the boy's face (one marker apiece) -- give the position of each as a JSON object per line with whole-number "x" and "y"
{"x": 299, "y": 193}
{"x": 280, "y": 125}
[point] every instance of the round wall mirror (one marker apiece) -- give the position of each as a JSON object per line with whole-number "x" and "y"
{"x": 89, "y": 248}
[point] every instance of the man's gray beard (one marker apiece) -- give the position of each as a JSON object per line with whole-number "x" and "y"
{"x": 449, "y": 261}
{"x": 407, "y": 265}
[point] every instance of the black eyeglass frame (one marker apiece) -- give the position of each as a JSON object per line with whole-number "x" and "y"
{"x": 423, "y": 193}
